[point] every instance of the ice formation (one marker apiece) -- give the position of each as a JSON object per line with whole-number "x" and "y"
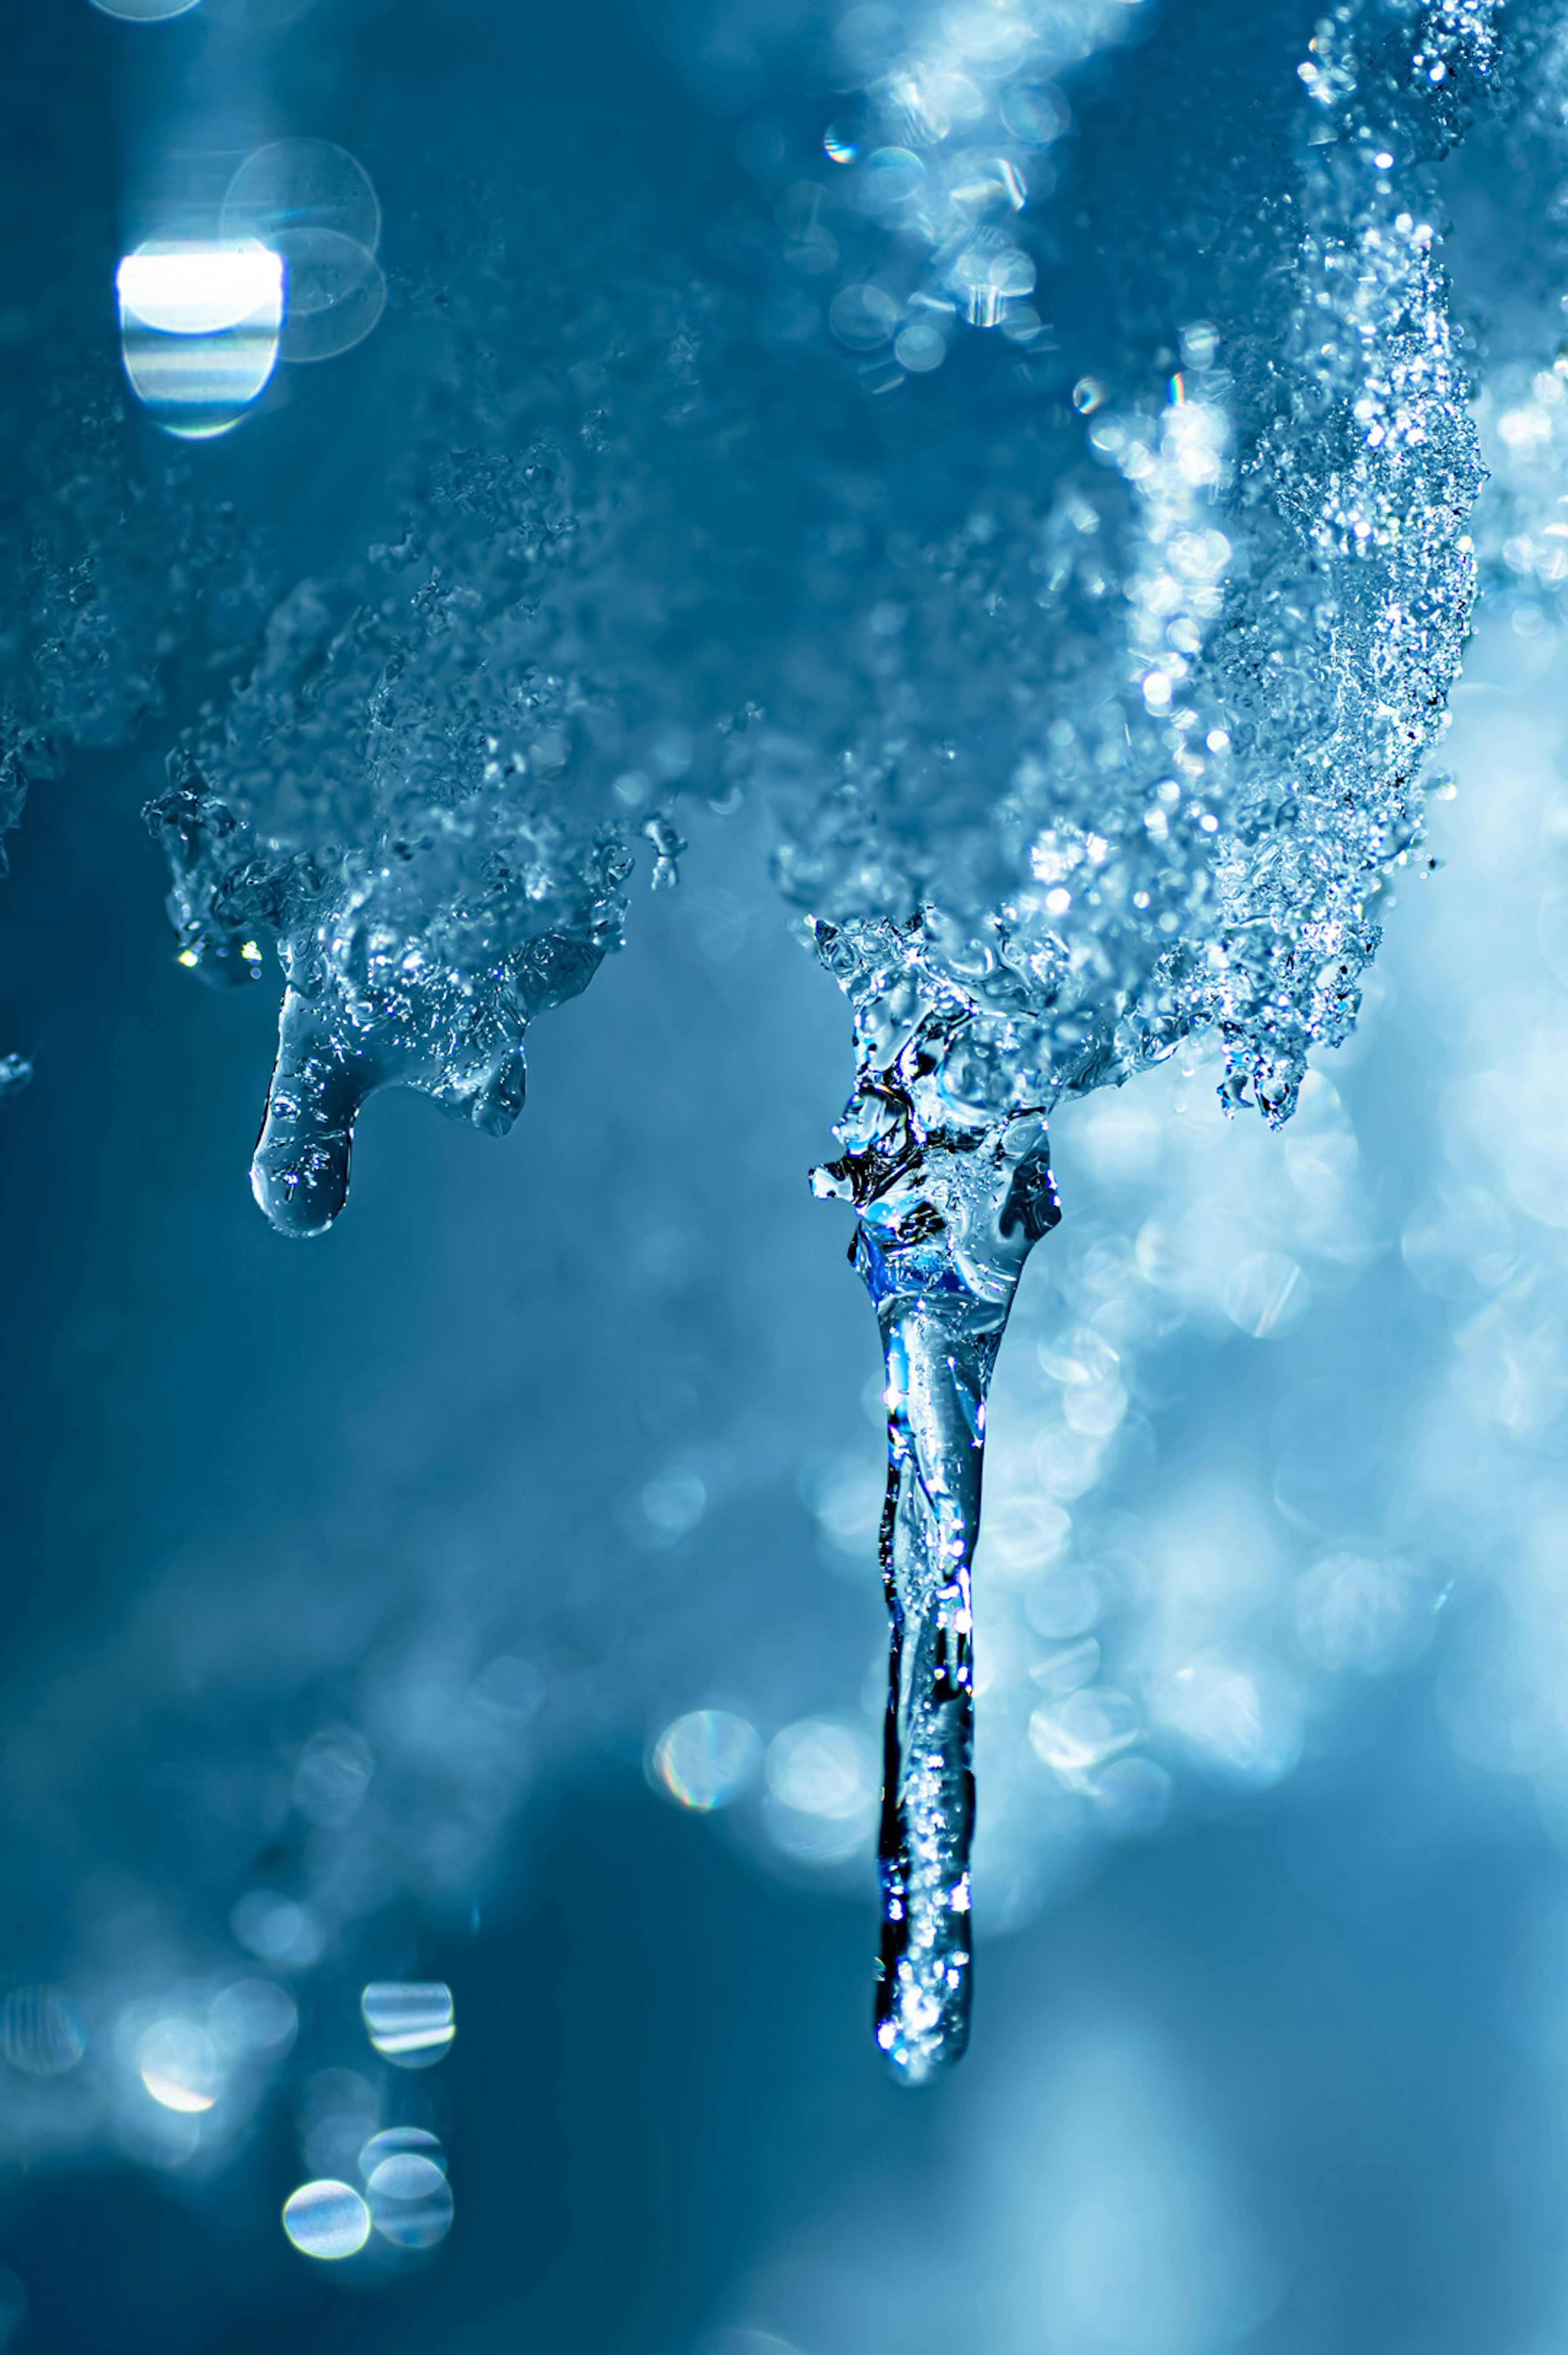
{"x": 1085, "y": 626}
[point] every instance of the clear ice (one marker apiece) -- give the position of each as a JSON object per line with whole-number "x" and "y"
{"x": 1084, "y": 626}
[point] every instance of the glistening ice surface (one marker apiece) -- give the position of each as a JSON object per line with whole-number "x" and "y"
{"x": 346, "y": 1553}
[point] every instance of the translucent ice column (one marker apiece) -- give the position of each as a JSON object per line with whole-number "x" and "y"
{"x": 951, "y": 1192}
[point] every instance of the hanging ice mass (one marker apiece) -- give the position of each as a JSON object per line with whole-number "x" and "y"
{"x": 1087, "y": 680}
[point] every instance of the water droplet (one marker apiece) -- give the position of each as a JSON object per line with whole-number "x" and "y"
{"x": 410, "y": 2022}
{"x": 862, "y": 316}
{"x": 395, "y": 2142}
{"x": 326, "y": 2220}
{"x": 179, "y": 2066}
{"x": 706, "y": 1758}
{"x": 278, "y": 1929}
{"x": 40, "y": 2033}
{"x": 920, "y": 348}
{"x": 410, "y": 2200}
{"x": 1035, "y": 113}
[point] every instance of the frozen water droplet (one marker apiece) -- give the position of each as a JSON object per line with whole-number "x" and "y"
{"x": 326, "y": 2220}
{"x": 300, "y": 1173}
{"x": 409, "y": 2022}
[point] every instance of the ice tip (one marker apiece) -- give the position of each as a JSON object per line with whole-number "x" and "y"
{"x": 919, "y": 2053}
{"x": 300, "y": 1194}
{"x": 918, "y": 2060}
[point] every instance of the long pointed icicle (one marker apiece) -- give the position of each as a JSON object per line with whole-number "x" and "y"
{"x": 948, "y": 1211}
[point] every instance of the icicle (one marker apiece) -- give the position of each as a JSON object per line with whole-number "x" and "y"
{"x": 299, "y": 1172}
{"x": 949, "y": 1207}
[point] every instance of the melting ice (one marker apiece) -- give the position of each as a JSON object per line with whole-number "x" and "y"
{"x": 1083, "y": 622}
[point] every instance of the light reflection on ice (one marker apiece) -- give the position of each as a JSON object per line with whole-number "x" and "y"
{"x": 199, "y": 330}
{"x": 326, "y": 2220}
{"x": 410, "y": 2022}
{"x": 179, "y": 2065}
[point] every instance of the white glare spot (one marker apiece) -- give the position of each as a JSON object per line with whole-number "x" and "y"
{"x": 179, "y": 2066}
{"x": 199, "y": 325}
{"x": 409, "y": 2022}
{"x": 705, "y": 1759}
{"x": 326, "y": 2220}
